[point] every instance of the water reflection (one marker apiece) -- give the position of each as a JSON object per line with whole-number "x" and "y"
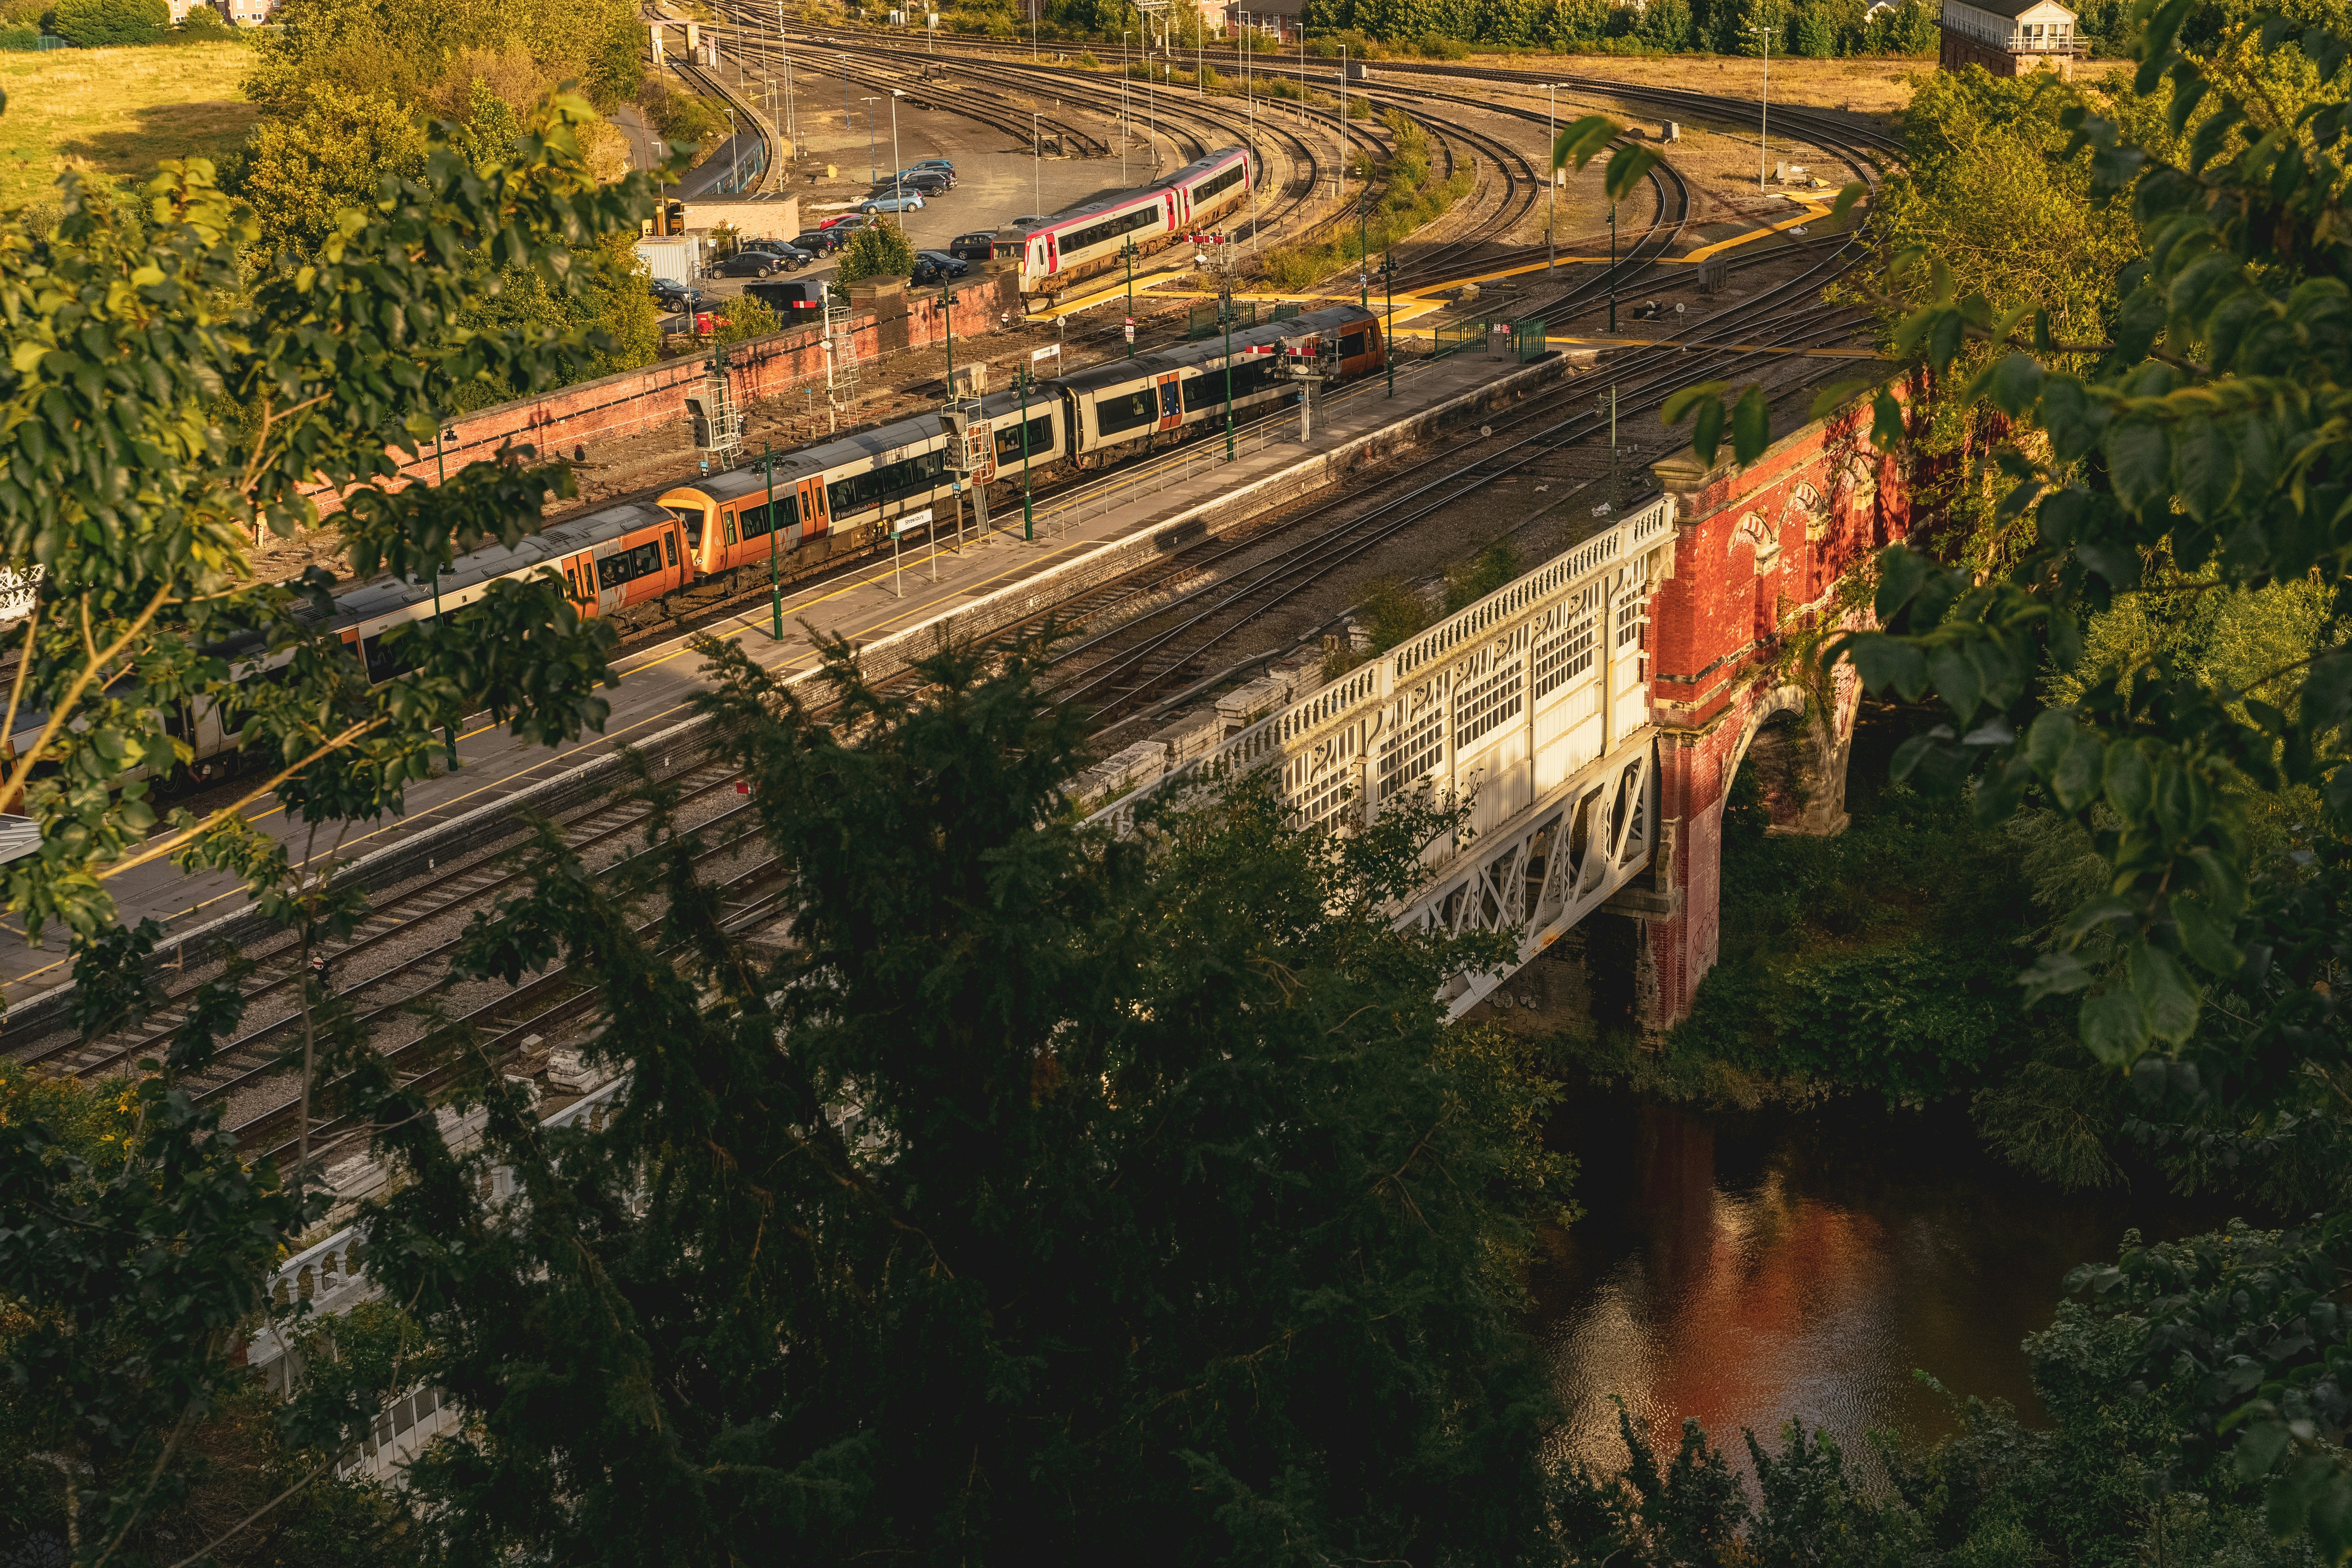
{"x": 1747, "y": 1268}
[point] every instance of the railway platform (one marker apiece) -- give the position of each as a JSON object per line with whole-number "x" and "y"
{"x": 984, "y": 582}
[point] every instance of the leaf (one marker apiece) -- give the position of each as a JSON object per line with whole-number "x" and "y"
{"x": 2140, "y": 461}
{"x": 2016, "y": 382}
{"x": 1832, "y": 397}
{"x": 1680, "y": 405}
{"x": 1955, "y": 676}
{"x": 2113, "y": 1028}
{"x": 1902, "y": 572}
{"x": 1706, "y": 431}
{"x": 2090, "y": 917}
{"x": 2167, "y": 1002}
{"x": 2053, "y": 974}
{"x": 1886, "y": 430}
{"x": 2076, "y": 779}
{"x": 1626, "y": 169}
{"x": 2206, "y": 938}
{"x": 2119, "y": 564}
{"x": 2130, "y": 784}
{"x": 1577, "y": 143}
{"x": 1882, "y": 661}
{"x": 1751, "y": 425}
{"x": 2205, "y": 468}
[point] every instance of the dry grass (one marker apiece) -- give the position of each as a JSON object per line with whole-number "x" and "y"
{"x": 1864, "y": 86}
{"x": 116, "y": 112}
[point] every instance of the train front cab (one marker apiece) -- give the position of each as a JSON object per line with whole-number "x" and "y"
{"x": 739, "y": 534}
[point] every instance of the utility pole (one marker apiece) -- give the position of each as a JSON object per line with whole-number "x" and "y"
{"x": 441, "y": 477}
{"x": 1764, "y": 109}
{"x": 1036, "y": 165}
{"x": 1551, "y": 179}
{"x": 1363, "y": 252}
{"x": 898, "y": 175}
{"x": 1612, "y": 267}
{"x": 873, "y": 169}
{"x": 1225, "y": 315}
{"x": 946, "y": 320}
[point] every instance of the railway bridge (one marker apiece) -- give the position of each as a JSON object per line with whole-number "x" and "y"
{"x": 1595, "y": 710}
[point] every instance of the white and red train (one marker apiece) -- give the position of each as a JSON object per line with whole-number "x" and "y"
{"x": 1084, "y": 241}
{"x": 641, "y": 561}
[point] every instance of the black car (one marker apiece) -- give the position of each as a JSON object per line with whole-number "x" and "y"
{"x": 936, "y": 266}
{"x": 821, "y": 241}
{"x": 973, "y": 246}
{"x": 749, "y": 264}
{"x": 925, "y": 185}
{"x": 791, "y": 256}
{"x": 675, "y": 296}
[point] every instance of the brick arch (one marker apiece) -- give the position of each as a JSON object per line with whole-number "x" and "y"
{"x": 1759, "y": 536}
{"x": 1804, "y": 505}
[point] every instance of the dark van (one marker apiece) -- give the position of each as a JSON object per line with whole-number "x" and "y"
{"x": 790, "y": 301}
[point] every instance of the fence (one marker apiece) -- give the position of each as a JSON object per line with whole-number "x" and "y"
{"x": 1456, "y": 336}
{"x": 1527, "y": 339}
{"x": 1203, "y": 321}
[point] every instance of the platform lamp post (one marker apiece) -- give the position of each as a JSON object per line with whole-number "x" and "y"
{"x": 776, "y": 580}
{"x": 1036, "y": 163}
{"x": 873, "y": 169}
{"x": 1363, "y": 252}
{"x": 1612, "y": 267}
{"x": 1127, "y": 253}
{"x": 441, "y": 477}
{"x": 946, "y": 320}
{"x": 1388, "y": 322}
{"x": 1028, "y": 515}
{"x": 1225, "y": 314}
{"x": 1551, "y": 181}
{"x": 844, "y": 95}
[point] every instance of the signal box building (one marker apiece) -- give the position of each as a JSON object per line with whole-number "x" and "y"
{"x": 2009, "y": 37}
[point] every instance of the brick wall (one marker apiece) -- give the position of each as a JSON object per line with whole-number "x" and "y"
{"x": 613, "y": 407}
{"x": 1758, "y": 555}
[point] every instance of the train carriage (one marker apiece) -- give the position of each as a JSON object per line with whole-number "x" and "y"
{"x": 1087, "y": 240}
{"x": 1175, "y": 391}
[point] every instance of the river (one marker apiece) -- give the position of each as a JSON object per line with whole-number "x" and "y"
{"x": 1744, "y": 1268}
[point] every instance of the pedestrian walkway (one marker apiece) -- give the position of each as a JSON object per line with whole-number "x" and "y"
{"x": 892, "y": 609}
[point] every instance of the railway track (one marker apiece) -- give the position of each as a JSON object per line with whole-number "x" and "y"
{"x": 1169, "y": 621}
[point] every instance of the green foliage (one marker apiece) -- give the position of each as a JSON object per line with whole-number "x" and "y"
{"x": 1472, "y": 580}
{"x": 744, "y": 317}
{"x": 690, "y": 124}
{"x": 300, "y": 176}
{"x": 1392, "y": 612}
{"x": 96, "y": 24}
{"x": 205, "y": 24}
{"x": 1876, "y": 959}
{"x": 2197, "y": 431}
{"x": 880, "y": 249}
{"x": 1136, "y": 1188}
{"x": 1410, "y": 197}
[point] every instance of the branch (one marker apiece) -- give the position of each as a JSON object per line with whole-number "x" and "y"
{"x": 64, "y": 709}
{"x": 243, "y": 1524}
{"x": 217, "y": 817}
{"x": 23, "y": 667}
{"x": 269, "y": 418}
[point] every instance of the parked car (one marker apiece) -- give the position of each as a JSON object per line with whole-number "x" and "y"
{"x": 822, "y": 241}
{"x": 942, "y": 163}
{"x": 792, "y": 257}
{"x": 935, "y": 266}
{"x": 978, "y": 246}
{"x": 911, "y": 202}
{"x": 674, "y": 296}
{"x": 749, "y": 264}
{"x": 926, "y": 180}
{"x": 928, "y": 187}
{"x": 844, "y": 222}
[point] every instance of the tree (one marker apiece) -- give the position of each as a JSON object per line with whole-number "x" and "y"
{"x": 2200, "y": 433}
{"x": 877, "y": 250}
{"x": 136, "y": 328}
{"x": 300, "y": 176}
{"x": 1047, "y": 1196}
{"x": 98, "y": 24}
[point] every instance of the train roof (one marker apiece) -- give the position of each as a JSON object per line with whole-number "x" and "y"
{"x": 1118, "y": 372}
{"x": 387, "y": 595}
{"x": 1191, "y": 171}
{"x": 872, "y": 445}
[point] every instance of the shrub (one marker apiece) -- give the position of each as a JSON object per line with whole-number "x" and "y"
{"x": 96, "y": 23}
{"x": 877, "y": 250}
{"x": 20, "y": 37}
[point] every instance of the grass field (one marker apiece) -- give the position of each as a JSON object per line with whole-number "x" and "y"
{"x": 116, "y": 111}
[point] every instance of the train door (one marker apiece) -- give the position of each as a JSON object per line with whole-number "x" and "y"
{"x": 816, "y": 520}
{"x": 580, "y": 582}
{"x": 705, "y": 542}
{"x": 678, "y": 564}
{"x": 1053, "y": 256}
{"x": 1171, "y": 401}
{"x": 610, "y": 596}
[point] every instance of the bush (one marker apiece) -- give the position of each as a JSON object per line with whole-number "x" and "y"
{"x": 20, "y": 37}
{"x": 204, "y": 24}
{"x": 877, "y": 250}
{"x": 96, "y": 23}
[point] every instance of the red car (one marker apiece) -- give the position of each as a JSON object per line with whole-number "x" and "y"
{"x": 846, "y": 220}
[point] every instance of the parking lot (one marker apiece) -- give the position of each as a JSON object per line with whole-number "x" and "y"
{"x": 994, "y": 182}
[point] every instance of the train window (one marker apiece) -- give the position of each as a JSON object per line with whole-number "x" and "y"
{"x": 669, "y": 545}
{"x": 627, "y": 565}
{"x": 1041, "y": 441}
{"x": 1120, "y": 411}
{"x": 382, "y": 663}
{"x": 755, "y": 518}
{"x": 1110, "y": 228}
{"x": 1224, "y": 182}
{"x": 726, "y": 521}
{"x": 694, "y": 530}
{"x": 1355, "y": 343}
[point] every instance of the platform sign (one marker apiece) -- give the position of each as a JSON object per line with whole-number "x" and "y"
{"x": 1130, "y": 329}
{"x": 911, "y": 522}
{"x": 1051, "y": 351}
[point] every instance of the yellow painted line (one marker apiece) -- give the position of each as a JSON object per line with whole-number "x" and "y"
{"x": 1810, "y": 215}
